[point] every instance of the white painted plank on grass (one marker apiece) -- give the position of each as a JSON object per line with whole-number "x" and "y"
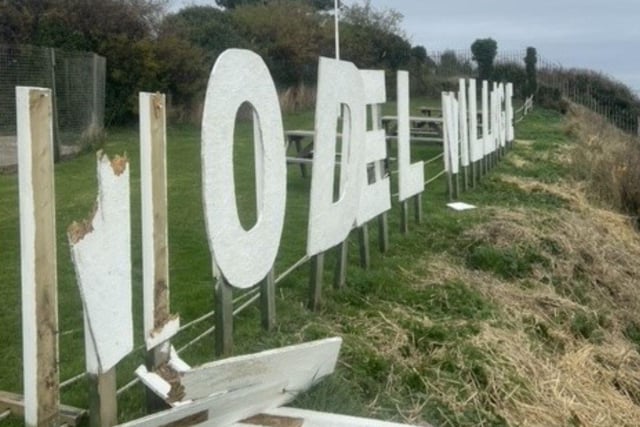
{"x": 101, "y": 254}
{"x": 324, "y": 419}
{"x": 222, "y": 409}
{"x": 300, "y": 366}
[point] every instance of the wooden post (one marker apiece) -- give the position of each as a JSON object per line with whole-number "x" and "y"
{"x": 383, "y": 233}
{"x": 474, "y": 166}
{"x": 38, "y": 257}
{"x": 340, "y": 276}
{"x": 465, "y": 177}
{"x": 268, "y": 302}
{"x": 379, "y": 170}
{"x": 417, "y": 204}
{"x": 404, "y": 217}
{"x": 363, "y": 244}
{"x": 224, "y": 317}
{"x": 103, "y": 408}
{"x": 54, "y": 109}
{"x": 159, "y": 324}
{"x": 315, "y": 281}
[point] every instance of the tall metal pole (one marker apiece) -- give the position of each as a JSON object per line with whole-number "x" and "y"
{"x": 336, "y": 18}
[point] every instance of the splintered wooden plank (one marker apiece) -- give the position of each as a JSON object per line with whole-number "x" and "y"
{"x": 101, "y": 254}
{"x": 323, "y": 419}
{"x": 300, "y": 366}
{"x": 219, "y": 410}
{"x": 38, "y": 257}
{"x": 159, "y": 323}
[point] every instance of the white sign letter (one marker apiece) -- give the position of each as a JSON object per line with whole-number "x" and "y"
{"x": 243, "y": 257}
{"x": 340, "y": 87}
{"x": 410, "y": 176}
{"x": 375, "y": 198}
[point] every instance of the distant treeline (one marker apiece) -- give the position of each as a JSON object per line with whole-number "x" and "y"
{"x": 149, "y": 49}
{"x": 152, "y": 50}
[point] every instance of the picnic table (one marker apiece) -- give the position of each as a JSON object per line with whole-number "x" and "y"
{"x": 301, "y": 142}
{"x": 431, "y": 111}
{"x": 422, "y": 128}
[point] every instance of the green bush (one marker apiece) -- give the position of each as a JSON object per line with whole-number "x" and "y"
{"x": 531, "y": 73}
{"x": 551, "y": 98}
{"x": 511, "y": 72}
{"x": 484, "y": 53}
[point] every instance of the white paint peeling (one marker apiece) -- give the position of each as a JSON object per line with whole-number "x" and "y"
{"x": 101, "y": 253}
{"x": 153, "y": 198}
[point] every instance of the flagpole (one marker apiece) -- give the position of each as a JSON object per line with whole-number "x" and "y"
{"x": 337, "y": 27}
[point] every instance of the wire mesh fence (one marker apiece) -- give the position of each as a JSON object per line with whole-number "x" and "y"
{"x": 77, "y": 81}
{"x": 588, "y": 88}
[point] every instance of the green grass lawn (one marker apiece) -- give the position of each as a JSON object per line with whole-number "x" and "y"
{"x": 359, "y": 385}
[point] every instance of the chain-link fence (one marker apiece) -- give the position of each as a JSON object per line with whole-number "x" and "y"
{"x": 77, "y": 80}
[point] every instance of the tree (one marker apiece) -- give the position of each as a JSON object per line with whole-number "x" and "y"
{"x": 121, "y": 30}
{"x": 205, "y": 27}
{"x": 530, "y": 61}
{"x": 385, "y": 20}
{"x": 451, "y": 65}
{"x": 484, "y": 53}
{"x": 373, "y": 38}
{"x": 288, "y": 35}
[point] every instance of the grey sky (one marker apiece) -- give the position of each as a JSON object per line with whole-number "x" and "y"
{"x": 600, "y": 34}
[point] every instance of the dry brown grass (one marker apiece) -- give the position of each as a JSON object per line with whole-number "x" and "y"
{"x": 554, "y": 349}
{"x": 297, "y": 98}
{"x": 538, "y": 369}
{"x": 540, "y": 373}
{"x": 607, "y": 158}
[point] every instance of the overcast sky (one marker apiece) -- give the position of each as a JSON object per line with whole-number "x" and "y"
{"x": 600, "y": 34}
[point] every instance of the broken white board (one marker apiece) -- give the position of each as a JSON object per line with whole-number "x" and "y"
{"x": 301, "y": 366}
{"x": 324, "y": 419}
{"x": 220, "y": 410}
{"x": 460, "y": 206}
{"x": 101, "y": 254}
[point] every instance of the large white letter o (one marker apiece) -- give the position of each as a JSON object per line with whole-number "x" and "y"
{"x": 243, "y": 257}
